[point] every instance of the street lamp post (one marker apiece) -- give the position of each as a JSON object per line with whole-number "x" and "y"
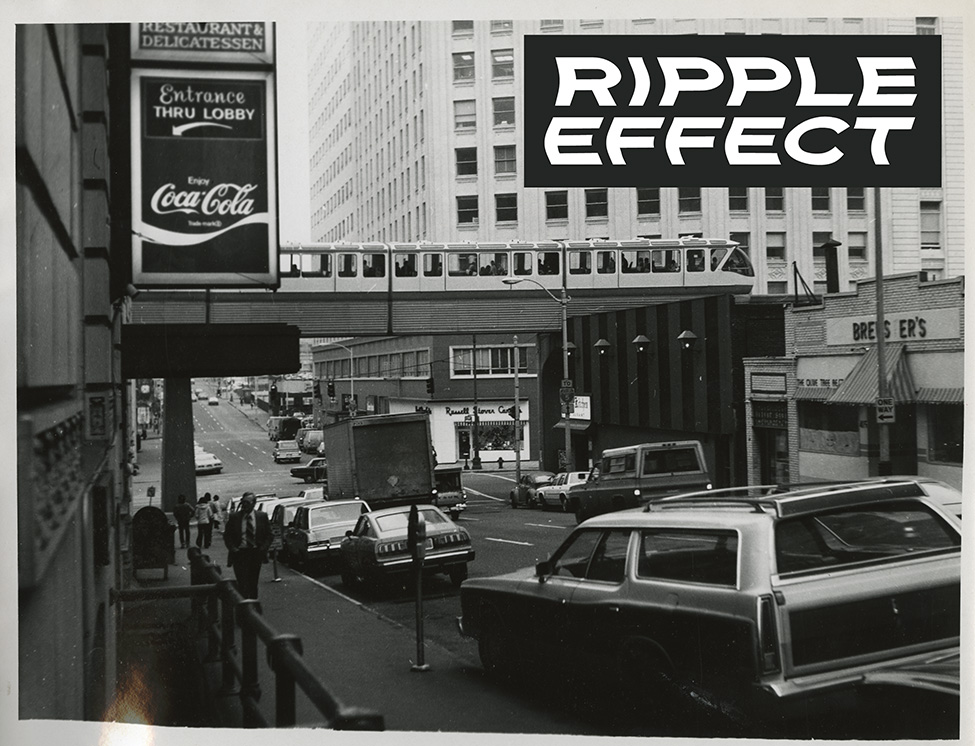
{"x": 352, "y": 413}
{"x": 563, "y": 300}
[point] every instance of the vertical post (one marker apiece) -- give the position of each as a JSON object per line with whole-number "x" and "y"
{"x": 352, "y": 402}
{"x": 564, "y": 301}
{"x": 285, "y": 703}
{"x": 516, "y": 415}
{"x": 250, "y": 678}
{"x": 228, "y": 684}
{"x": 476, "y": 461}
{"x": 883, "y": 465}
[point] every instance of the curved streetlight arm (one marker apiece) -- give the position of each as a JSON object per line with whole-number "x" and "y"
{"x": 515, "y": 280}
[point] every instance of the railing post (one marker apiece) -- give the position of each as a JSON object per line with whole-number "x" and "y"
{"x": 284, "y": 682}
{"x": 213, "y": 638}
{"x": 228, "y": 684}
{"x": 250, "y": 680}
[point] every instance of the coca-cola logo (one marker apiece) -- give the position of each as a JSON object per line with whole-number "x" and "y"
{"x": 221, "y": 199}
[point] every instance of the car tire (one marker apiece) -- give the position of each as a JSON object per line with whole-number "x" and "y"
{"x": 513, "y": 500}
{"x": 494, "y": 647}
{"x": 565, "y": 503}
{"x": 457, "y": 575}
{"x": 646, "y": 677}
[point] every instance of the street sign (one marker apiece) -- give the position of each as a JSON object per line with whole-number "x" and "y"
{"x": 885, "y": 411}
{"x": 567, "y": 394}
{"x": 567, "y": 383}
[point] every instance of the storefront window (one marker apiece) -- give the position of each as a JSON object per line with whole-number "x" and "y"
{"x": 829, "y": 428}
{"x": 947, "y": 433}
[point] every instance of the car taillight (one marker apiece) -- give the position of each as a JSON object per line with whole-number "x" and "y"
{"x": 392, "y": 547}
{"x": 457, "y": 537}
{"x": 768, "y": 638}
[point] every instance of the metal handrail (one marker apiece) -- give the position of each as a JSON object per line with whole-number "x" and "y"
{"x": 221, "y": 609}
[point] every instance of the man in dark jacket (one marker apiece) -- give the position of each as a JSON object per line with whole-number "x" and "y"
{"x": 183, "y": 512}
{"x": 248, "y": 537}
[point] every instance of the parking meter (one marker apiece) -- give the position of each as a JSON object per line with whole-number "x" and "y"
{"x": 416, "y": 533}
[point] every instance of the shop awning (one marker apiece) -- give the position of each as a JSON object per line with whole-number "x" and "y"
{"x": 576, "y": 426}
{"x": 813, "y": 393}
{"x": 940, "y": 395}
{"x": 861, "y": 386}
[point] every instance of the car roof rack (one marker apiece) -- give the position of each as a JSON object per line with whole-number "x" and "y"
{"x": 793, "y": 499}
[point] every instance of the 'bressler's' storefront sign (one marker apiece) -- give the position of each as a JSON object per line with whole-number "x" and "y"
{"x": 203, "y": 42}
{"x": 203, "y": 201}
{"x": 936, "y": 323}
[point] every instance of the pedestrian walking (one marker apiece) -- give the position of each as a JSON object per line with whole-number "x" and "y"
{"x": 204, "y": 522}
{"x": 183, "y": 512}
{"x": 248, "y": 537}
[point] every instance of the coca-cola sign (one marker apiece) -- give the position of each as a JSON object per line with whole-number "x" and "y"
{"x": 204, "y": 198}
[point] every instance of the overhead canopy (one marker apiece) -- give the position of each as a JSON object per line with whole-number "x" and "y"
{"x": 862, "y": 385}
{"x": 940, "y": 395}
{"x": 813, "y": 393}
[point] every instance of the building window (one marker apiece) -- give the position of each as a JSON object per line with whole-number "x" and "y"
{"x": 463, "y": 66}
{"x": 491, "y": 361}
{"x": 504, "y": 111}
{"x": 597, "y": 203}
{"x": 778, "y": 288}
{"x": 504, "y": 159}
{"x": 500, "y": 27}
{"x": 648, "y": 201}
{"x": 737, "y": 198}
{"x": 856, "y": 199}
{"x": 688, "y": 199}
{"x": 930, "y": 225}
{"x": 466, "y": 161}
{"x": 829, "y": 428}
{"x": 464, "y": 115}
{"x": 820, "y": 199}
{"x": 556, "y": 205}
{"x": 926, "y": 26}
{"x": 506, "y": 206}
{"x": 946, "y": 433}
{"x": 502, "y": 63}
{"x": 856, "y": 246}
{"x": 775, "y": 247}
{"x": 467, "y": 209}
{"x": 744, "y": 240}
{"x": 774, "y": 199}
{"x": 463, "y": 28}
{"x": 551, "y": 24}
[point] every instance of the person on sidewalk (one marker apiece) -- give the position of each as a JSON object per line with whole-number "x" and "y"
{"x": 204, "y": 522}
{"x": 183, "y": 512}
{"x": 248, "y": 537}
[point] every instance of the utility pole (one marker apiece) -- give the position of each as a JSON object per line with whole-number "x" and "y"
{"x": 516, "y": 415}
{"x": 884, "y": 467}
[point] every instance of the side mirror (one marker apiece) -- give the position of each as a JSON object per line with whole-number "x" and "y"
{"x": 349, "y": 533}
{"x": 543, "y": 569}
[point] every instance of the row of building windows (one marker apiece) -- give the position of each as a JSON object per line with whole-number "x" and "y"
{"x": 502, "y": 65}
{"x": 406, "y": 364}
{"x": 465, "y": 113}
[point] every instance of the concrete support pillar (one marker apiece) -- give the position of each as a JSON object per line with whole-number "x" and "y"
{"x": 178, "y": 465}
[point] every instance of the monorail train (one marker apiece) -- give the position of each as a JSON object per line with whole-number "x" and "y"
{"x": 673, "y": 266}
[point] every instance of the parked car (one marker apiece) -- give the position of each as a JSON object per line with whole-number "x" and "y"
{"x": 282, "y": 512}
{"x": 213, "y": 401}
{"x": 286, "y": 450}
{"x": 555, "y": 493}
{"x": 318, "y": 529}
{"x": 315, "y": 470}
{"x": 523, "y": 493}
{"x": 207, "y": 463}
{"x": 377, "y": 547}
{"x": 755, "y": 602}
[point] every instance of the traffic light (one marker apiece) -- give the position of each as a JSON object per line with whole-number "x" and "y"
{"x": 429, "y": 385}
{"x": 331, "y": 389}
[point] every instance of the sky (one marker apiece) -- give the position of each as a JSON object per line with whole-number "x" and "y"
{"x": 292, "y": 95}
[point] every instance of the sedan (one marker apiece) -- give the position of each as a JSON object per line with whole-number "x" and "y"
{"x": 555, "y": 494}
{"x": 213, "y": 401}
{"x": 317, "y": 530}
{"x": 377, "y": 547}
{"x": 207, "y": 463}
{"x": 524, "y": 492}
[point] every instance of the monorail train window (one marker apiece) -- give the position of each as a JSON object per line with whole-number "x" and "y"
{"x": 459, "y": 265}
{"x": 716, "y": 256}
{"x": 316, "y": 265}
{"x": 666, "y": 260}
{"x": 580, "y": 263}
{"x": 405, "y": 265}
{"x": 548, "y": 262}
{"x": 493, "y": 264}
{"x": 523, "y": 263}
{"x": 738, "y": 262}
{"x": 433, "y": 265}
{"x": 695, "y": 260}
{"x": 634, "y": 261}
{"x": 373, "y": 265}
{"x": 347, "y": 265}
{"x": 288, "y": 265}
{"x": 606, "y": 262}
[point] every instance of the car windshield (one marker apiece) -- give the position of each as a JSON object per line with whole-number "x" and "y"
{"x": 860, "y": 533}
{"x": 334, "y": 514}
{"x": 392, "y": 522}
{"x": 540, "y": 479}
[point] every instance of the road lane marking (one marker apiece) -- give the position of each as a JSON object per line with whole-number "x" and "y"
{"x": 509, "y": 541}
{"x": 496, "y": 476}
{"x": 481, "y": 494}
{"x": 547, "y": 525}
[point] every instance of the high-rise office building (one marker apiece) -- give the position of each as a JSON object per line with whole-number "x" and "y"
{"x": 417, "y": 129}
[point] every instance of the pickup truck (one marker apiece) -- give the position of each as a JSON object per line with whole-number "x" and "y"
{"x": 629, "y": 477}
{"x": 315, "y": 470}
